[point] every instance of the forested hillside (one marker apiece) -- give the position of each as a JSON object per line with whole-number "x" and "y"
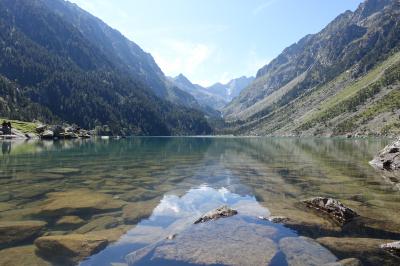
{"x": 59, "y": 73}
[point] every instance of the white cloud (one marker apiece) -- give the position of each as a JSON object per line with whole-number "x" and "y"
{"x": 175, "y": 56}
{"x": 263, "y": 6}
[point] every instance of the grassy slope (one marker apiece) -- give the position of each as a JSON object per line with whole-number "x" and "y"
{"x": 25, "y": 127}
{"x": 322, "y": 110}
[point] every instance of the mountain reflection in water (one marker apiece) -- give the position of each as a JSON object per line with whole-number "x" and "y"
{"x": 167, "y": 183}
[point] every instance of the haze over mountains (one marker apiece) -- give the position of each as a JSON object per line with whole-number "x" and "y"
{"x": 215, "y": 96}
{"x": 59, "y": 63}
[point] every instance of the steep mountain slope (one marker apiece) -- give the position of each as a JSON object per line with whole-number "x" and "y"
{"x": 232, "y": 89}
{"x": 124, "y": 53}
{"x": 209, "y": 102}
{"x": 327, "y": 78}
{"x": 48, "y": 61}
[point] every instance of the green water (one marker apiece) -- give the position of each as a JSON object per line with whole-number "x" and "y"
{"x": 175, "y": 180}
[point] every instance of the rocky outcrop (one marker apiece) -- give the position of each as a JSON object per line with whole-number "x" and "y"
{"x": 389, "y": 158}
{"x": 69, "y": 249}
{"x": 393, "y": 248}
{"x": 332, "y": 207}
{"x": 13, "y": 232}
{"x": 221, "y": 212}
{"x": 21, "y": 256}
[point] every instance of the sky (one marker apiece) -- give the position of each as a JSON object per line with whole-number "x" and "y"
{"x": 213, "y": 41}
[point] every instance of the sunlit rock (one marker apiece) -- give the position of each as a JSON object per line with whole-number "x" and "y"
{"x": 21, "y": 256}
{"x": 76, "y": 201}
{"x": 221, "y": 212}
{"x": 12, "y": 232}
{"x": 69, "y": 249}
{"x": 333, "y": 208}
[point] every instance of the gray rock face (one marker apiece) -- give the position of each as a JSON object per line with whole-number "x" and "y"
{"x": 305, "y": 251}
{"x": 221, "y": 212}
{"x": 393, "y": 248}
{"x": 225, "y": 242}
{"x": 389, "y": 158}
{"x": 334, "y": 208}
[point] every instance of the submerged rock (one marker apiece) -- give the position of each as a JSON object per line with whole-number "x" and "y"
{"x": 70, "y": 220}
{"x": 305, "y": 251}
{"x": 393, "y": 248}
{"x": 333, "y": 208}
{"x": 389, "y": 158}
{"x": 223, "y": 242}
{"x": 69, "y": 249}
{"x": 367, "y": 249}
{"x": 345, "y": 262}
{"x": 21, "y": 256}
{"x": 221, "y": 212}
{"x": 76, "y": 201}
{"x": 275, "y": 219}
{"x": 12, "y": 232}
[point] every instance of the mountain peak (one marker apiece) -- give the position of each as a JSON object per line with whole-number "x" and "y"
{"x": 370, "y": 7}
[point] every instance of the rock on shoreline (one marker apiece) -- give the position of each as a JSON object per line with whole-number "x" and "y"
{"x": 221, "y": 212}
{"x": 389, "y": 158}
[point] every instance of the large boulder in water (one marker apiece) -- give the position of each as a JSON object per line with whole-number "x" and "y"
{"x": 332, "y": 207}
{"x": 389, "y": 158}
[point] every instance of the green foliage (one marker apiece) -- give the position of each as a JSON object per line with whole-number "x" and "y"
{"x": 53, "y": 73}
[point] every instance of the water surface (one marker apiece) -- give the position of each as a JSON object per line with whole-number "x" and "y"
{"x": 170, "y": 182}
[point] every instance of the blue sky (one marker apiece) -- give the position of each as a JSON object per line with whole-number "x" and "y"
{"x": 215, "y": 40}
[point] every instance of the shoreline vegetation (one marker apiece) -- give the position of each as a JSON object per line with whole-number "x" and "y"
{"x": 38, "y": 130}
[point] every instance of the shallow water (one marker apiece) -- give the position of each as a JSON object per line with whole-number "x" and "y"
{"x": 173, "y": 181}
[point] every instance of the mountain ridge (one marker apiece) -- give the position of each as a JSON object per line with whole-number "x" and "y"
{"x": 353, "y": 43}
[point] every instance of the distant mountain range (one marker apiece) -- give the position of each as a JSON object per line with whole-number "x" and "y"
{"x": 59, "y": 63}
{"x": 216, "y": 96}
{"x": 343, "y": 80}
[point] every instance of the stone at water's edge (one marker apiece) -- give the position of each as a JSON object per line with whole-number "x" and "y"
{"x": 303, "y": 251}
{"x": 393, "y": 248}
{"x": 13, "y": 232}
{"x": 389, "y": 158}
{"x": 69, "y": 249}
{"x": 333, "y": 208}
{"x": 221, "y": 212}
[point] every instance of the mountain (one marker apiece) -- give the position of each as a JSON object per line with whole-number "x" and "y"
{"x": 66, "y": 65}
{"x": 215, "y": 97}
{"x": 342, "y": 80}
{"x": 232, "y": 89}
{"x": 209, "y": 102}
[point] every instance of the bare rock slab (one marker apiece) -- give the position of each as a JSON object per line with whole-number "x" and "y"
{"x": 69, "y": 249}
{"x": 221, "y": 212}
{"x": 345, "y": 262}
{"x": 332, "y": 207}
{"x": 223, "y": 242}
{"x": 12, "y": 232}
{"x": 21, "y": 256}
{"x": 303, "y": 251}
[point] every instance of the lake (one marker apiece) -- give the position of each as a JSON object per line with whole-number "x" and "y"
{"x": 143, "y": 195}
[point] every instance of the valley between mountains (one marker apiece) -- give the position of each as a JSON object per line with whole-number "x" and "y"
{"x": 60, "y": 64}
